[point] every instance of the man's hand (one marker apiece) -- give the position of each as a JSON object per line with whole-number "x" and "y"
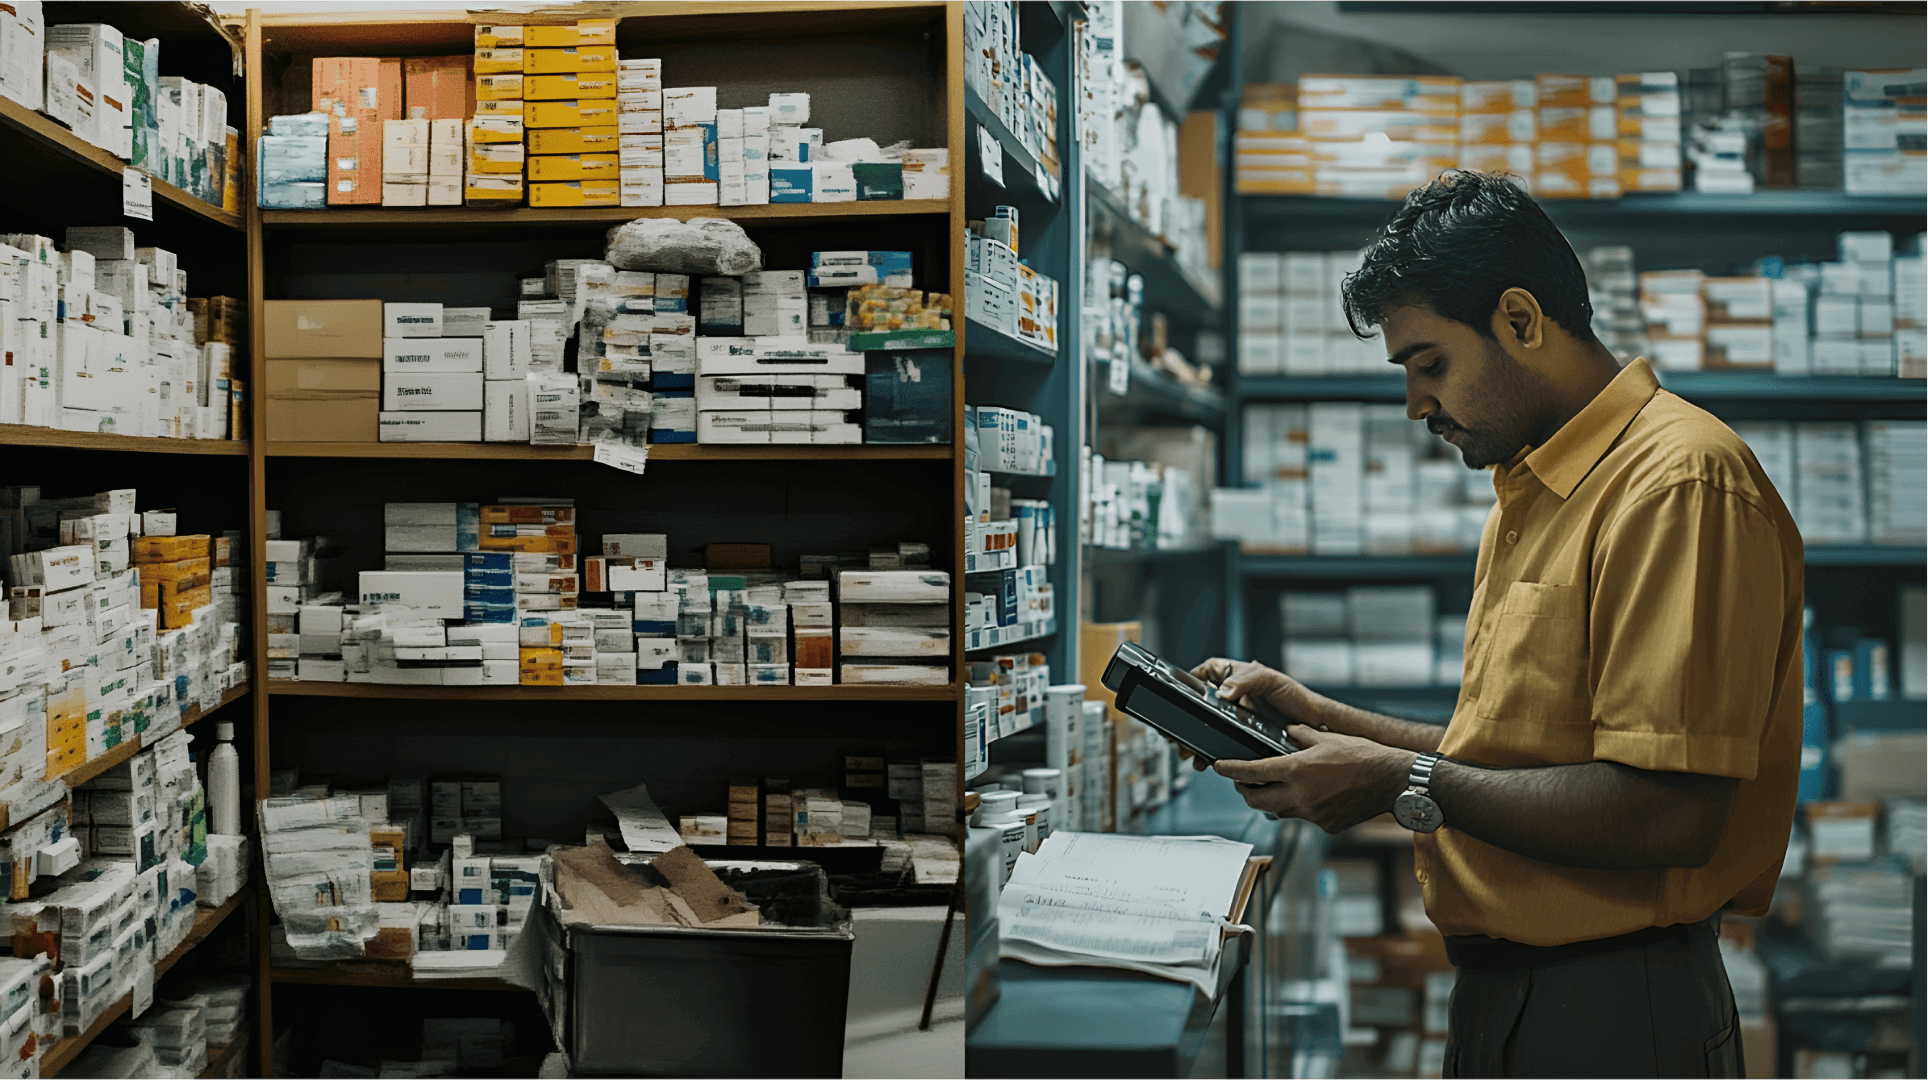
{"x": 1241, "y": 681}
{"x": 1335, "y": 782}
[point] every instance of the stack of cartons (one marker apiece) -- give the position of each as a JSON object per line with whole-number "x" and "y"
{"x": 1270, "y": 156}
{"x": 1829, "y": 505}
{"x": 1671, "y": 303}
{"x": 176, "y": 576}
{"x": 1336, "y": 451}
{"x": 1740, "y": 323}
{"x": 812, "y": 632}
{"x": 1911, "y": 314}
{"x": 639, "y": 131}
{"x": 1261, "y": 303}
{"x": 1391, "y": 481}
{"x": 690, "y": 172}
{"x": 569, "y": 78}
{"x": 495, "y": 134}
{"x": 1870, "y": 255}
{"x": 1882, "y": 114}
{"x": 1574, "y": 155}
{"x": 1817, "y": 127}
{"x": 23, "y": 38}
{"x": 291, "y": 163}
{"x": 1647, "y": 107}
{"x": 1497, "y": 125}
{"x": 94, "y": 51}
{"x": 1378, "y": 137}
{"x": 901, "y": 633}
{"x": 1896, "y": 452}
{"x": 1614, "y": 291}
{"x": 431, "y": 381}
{"x": 324, "y": 370}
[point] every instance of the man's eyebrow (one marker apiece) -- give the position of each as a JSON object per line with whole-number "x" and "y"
{"x": 1410, "y": 351}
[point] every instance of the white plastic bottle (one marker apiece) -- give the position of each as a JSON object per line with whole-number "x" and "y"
{"x": 224, "y": 783}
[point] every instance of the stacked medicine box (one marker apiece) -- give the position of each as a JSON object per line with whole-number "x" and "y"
{"x": 349, "y": 89}
{"x": 638, "y": 132}
{"x": 569, "y": 86}
{"x": 422, "y": 162}
{"x": 496, "y": 150}
{"x": 1575, "y": 155}
{"x": 1292, "y": 318}
{"x": 1878, "y": 110}
{"x": 689, "y": 146}
{"x": 894, "y": 626}
{"x": 432, "y": 373}
{"x": 1417, "y": 116}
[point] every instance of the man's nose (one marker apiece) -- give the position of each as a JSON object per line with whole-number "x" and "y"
{"x": 1419, "y": 406}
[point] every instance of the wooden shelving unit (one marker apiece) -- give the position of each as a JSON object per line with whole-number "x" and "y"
{"x": 534, "y": 217}
{"x": 27, "y": 435}
{"x": 876, "y": 64}
{"x": 205, "y": 920}
{"x": 536, "y": 694}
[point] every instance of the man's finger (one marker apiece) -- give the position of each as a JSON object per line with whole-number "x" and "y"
{"x": 1264, "y": 771}
{"x": 1303, "y": 735}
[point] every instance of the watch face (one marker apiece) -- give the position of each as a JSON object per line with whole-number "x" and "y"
{"x": 1416, "y": 812}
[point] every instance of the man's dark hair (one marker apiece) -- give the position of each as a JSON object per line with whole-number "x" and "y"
{"x": 1456, "y": 245}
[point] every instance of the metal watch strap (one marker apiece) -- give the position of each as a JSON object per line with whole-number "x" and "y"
{"x": 1421, "y": 776}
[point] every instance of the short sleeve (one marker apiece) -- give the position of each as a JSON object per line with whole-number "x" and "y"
{"x": 1683, "y": 631}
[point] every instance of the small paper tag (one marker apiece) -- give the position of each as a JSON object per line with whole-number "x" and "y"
{"x": 1120, "y": 375}
{"x": 629, "y": 459}
{"x": 143, "y": 988}
{"x": 137, "y": 194}
{"x": 991, "y": 152}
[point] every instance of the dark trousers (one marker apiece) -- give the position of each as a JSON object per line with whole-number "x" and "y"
{"x": 1655, "y": 1003}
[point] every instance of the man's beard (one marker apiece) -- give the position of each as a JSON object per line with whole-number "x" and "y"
{"x": 1501, "y": 436}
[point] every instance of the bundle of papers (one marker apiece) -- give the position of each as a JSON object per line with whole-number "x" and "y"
{"x": 1154, "y": 904}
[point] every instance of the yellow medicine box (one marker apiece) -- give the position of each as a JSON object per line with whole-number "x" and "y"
{"x": 591, "y": 84}
{"x": 496, "y": 159}
{"x": 500, "y": 61}
{"x": 487, "y": 189}
{"x": 573, "y": 167}
{"x": 564, "y": 61}
{"x": 498, "y": 37}
{"x": 593, "y": 140}
{"x": 551, "y": 37}
{"x": 505, "y": 107}
{"x": 598, "y": 112}
{"x": 499, "y": 87}
{"x": 596, "y": 32}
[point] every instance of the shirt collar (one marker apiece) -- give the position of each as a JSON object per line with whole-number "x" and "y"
{"x": 1581, "y": 442}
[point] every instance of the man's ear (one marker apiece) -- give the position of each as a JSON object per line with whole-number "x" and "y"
{"x": 1518, "y": 320}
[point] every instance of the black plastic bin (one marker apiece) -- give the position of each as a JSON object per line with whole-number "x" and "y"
{"x": 670, "y": 1001}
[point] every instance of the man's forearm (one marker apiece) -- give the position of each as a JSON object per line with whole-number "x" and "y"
{"x": 1346, "y": 719}
{"x": 1598, "y": 815}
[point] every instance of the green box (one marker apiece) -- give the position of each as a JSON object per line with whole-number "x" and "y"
{"x": 878, "y": 182}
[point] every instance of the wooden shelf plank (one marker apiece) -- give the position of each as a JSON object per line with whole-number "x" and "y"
{"x": 47, "y": 132}
{"x": 392, "y": 976}
{"x": 292, "y": 688}
{"x": 205, "y": 920}
{"x": 83, "y": 773}
{"x": 533, "y": 217}
{"x": 657, "y": 452}
{"x": 27, "y": 435}
{"x": 425, "y": 28}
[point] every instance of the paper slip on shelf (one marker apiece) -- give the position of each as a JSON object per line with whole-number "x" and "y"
{"x": 1152, "y": 904}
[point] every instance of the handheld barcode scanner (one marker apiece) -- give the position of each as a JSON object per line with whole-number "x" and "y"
{"x": 1188, "y": 710}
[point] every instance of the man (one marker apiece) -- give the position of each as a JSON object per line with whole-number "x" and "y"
{"x": 1621, "y": 764}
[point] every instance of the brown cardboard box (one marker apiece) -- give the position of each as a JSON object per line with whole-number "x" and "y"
{"x": 351, "y": 82}
{"x": 323, "y": 329}
{"x": 324, "y": 400}
{"x": 354, "y": 159}
{"x": 437, "y": 88}
{"x": 389, "y": 102}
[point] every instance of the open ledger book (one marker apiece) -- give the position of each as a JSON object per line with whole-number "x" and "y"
{"x": 1155, "y": 904}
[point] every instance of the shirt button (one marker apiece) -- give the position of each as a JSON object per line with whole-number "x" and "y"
{"x": 1512, "y": 537}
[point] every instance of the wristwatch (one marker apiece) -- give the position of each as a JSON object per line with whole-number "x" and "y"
{"x": 1416, "y": 809}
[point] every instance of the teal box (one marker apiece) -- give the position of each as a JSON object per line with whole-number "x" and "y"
{"x": 907, "y": 396}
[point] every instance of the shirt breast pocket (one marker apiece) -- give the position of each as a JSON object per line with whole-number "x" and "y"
{"x": 1536, "y": 662}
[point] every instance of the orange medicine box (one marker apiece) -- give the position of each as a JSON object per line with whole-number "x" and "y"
{"x": 587, "y": 84}
{"x": 1497, "y": 96}
{"x": 354, "y": 160}
{"x": 548, "y": 167}
{"x": 598, "y": 112}
{"x": 564, "y": 61}
{"x": 592, "y": 140}
{"x": 170, "y": 549}
{"x": 1570, "y": 91}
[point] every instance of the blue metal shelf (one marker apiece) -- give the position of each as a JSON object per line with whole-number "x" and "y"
{"x": 1099, "y": 557}
{"x": 996, "y": 637}
{"x": 1694, "y": 385}
{"x": 1169, "y": 287}
{"x": 978, "y": 111}
{"x": 1761, "y": 203}
{"x": 1406, "y": 566}
{"x": 985, "y": 341}
{"x": 1154, "y": 395}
